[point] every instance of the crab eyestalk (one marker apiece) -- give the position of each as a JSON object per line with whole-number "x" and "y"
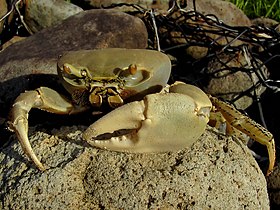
{"x": 70, "y": 70}
{"x": 132, "y": 69}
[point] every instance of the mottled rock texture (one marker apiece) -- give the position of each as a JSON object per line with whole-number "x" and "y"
{"x": 273, "y": 184}
{"x": 230, "y": 75}
{"x": 215, "y": 173}
{"x": 54, "y": 11}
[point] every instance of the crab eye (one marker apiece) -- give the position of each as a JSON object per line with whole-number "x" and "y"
{"x": 83, "y": 73}
{"x": 138, "y": 77}
{"x": 77, "y": 71}
{"x": 66, "y": 69}
{"x": 132, "y": 75}
{"x": 71, "y": 70}
{"x": 132, "y": 68}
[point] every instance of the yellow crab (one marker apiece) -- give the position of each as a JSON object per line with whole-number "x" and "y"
{"x": 149, "y": 121}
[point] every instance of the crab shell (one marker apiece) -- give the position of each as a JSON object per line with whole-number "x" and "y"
{"x": 107, "y": 65}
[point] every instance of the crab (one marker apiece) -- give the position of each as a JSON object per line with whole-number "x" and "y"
{"x": 148, "y": 115}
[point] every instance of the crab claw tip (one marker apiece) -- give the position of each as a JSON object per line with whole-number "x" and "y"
{"x": 117, "y": 127}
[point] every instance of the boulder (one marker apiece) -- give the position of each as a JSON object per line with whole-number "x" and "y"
{"x": 217, "y": 172}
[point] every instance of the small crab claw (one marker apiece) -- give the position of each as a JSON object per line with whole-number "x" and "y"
{"x": 43, "y": 98}
{"x": 160, "y": 122}
{"x": 19, "y": 123}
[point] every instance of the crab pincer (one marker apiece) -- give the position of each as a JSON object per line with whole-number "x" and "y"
{"x": 160, "y": 122}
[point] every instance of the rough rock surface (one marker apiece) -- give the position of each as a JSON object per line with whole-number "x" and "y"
{"x": 3, "y": 11}
{"x": 224, "y": 10}
{"x": 230, "y": 75}
{"x": 215, "y": 173}
{"x": 43, "y": 14}
{"x": 273, "y": 185}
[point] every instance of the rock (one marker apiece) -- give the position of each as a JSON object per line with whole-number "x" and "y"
{"x": 267, "y": 22}
{"x": 273, "y": 185}
{"x": 43, "y": 14}
{"x": 12, "y": 41}
{"x": 22, "y": 64}
{"x": 216, "y": 172}
{"x": 3, "y": 11}
{"x": 230, "y": 75}
{"x": 162, "y": 5}
{"x": 226, "y": 12}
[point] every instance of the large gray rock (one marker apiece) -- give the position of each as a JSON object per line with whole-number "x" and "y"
{"x": 86, "y": 30}
{"x": 215, "y": 173}
{"x": 224, "y": 10}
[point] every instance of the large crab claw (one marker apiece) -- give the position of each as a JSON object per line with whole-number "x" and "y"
{"x": 160, "y": 122}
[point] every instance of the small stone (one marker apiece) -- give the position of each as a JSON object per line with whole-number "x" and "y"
{"x": 42, "y": 14}
{"x": 266, "y": 22}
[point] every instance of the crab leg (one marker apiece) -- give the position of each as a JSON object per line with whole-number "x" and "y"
{"x": 246, "y": 125}
{"x": 42, "y": 98}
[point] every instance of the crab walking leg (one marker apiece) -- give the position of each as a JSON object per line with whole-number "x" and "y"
{"x": 42, "y": 98}
{"x": 249, "y": 127}
{"x": 159, "y": 123}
